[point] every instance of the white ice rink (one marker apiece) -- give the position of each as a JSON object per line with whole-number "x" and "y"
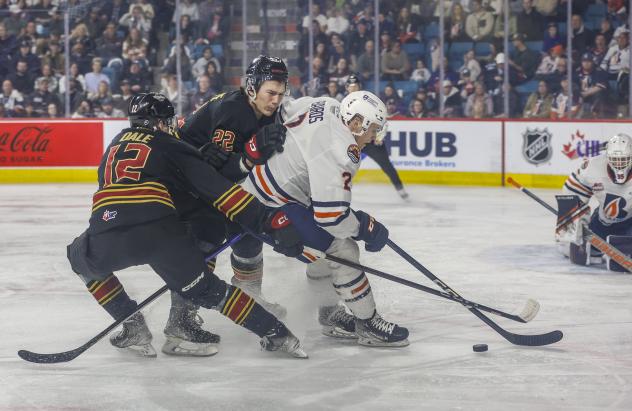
{"x": 492, "y": 245}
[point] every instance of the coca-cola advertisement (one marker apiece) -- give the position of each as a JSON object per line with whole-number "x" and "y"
{"x": 45, "y": 144}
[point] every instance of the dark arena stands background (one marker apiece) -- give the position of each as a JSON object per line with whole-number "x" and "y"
{"x": 115, "y": 48}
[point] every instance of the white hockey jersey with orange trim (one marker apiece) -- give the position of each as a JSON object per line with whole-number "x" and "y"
{"x": 319, "y": 159}
{"x": 595, "y": 179}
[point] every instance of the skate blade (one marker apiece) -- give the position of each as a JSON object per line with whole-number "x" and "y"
{"x": 146, "y": 350}
{"x": 370, "y": 342}
{"x": 336, "y": 332}
{"x": 299, "y": 353}
{"x": 178, "y": 346}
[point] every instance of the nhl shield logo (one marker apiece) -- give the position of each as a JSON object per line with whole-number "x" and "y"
{"x": 536, "y": 145}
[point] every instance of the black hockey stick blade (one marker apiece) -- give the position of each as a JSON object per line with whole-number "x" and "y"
{"x": 536, "y": 340}
{"x": 30, "y": 356}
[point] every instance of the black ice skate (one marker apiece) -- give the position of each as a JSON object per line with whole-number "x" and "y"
{"x": 134, "y": 337}
{"x": 377, "y": 332}
{"x": 282, "y": 339}
{"x": 336, "y": 322}
{"x": 185, "y": 336}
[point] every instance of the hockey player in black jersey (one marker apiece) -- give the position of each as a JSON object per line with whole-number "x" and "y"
{"x": 235, "y": 130}
{"x": 135, "y": 220}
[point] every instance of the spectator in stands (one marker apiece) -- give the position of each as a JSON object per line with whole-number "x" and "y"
{"x": 336, "y": 22}
{"x": 76, "y": 95}
{"x": 455, "y": 25}
{"x": 386, "y": 43}
{"x": 546, "y": 7}
{"x": 138, "y": 80}
{"x": 186, "y": 27}
{"x": 358, "y": 38}
{"x": 561, "y": 108}
{"x": 480, "y": 23}
{"x": 391, "y": 94}
{"x": 407, "y": 27}
{"x": 52, "y": 111}
{"x": 22, "y": 79}
{"x": 365, "y": 63}
{"x": 616, "y": 11}
{"x": 80, "y": 57}
{"x": 171, "y": 91}
{"x": 341, "y": 74}
{"x": 395, "y": 65}
{"x": 29, "y": 110}
{"x": 499, "y": 26}
{"x": 549, "y": 63}
{"x": 465, "y": 84}
{"x": 29, "y": 34}
{"x": 392, "y": 108}
{"x": 421, "y": 74}
{"x": 479, "y": 104}
{"x": 593, "y": 87}
{"x": 103, "y": 92}
{"x": 136, "y": 19}
{"x": 605, "y": 28}
{"x": 148, "y": 8}
{"x": 215, "y": 78}
{"x": 121, "y": 101}
{"x": 600, "y": 49}
{"x": 115, "y": 9}
{"x": 84, "y": 110}
{"x": 551, "y": 37}
{"x": 53, "y": 81}
{"x": 218, "y": 29}
{"x": 428, "y": 101}
{"x": 8, "y": 46}
{"x": 109, "y": 44}
{"x": 452, "y": 103}
{"x": 94, "y": 77}
{"x": 11, "y": 100}
{"x": 333, "y": 91}
{"x": 24, "y": 53}
{"x": 107, "y": 110}
{"x": 617, "y": 58}
{"x": 539, "y": 102}
{"x": 417, "y": 109}
{"x": 470, "y": 63}
{"x": 41, "y": 98}
{"x": 81, "y": 35}
{"x": 134, "y": 45}
{"x": 386, "y": 25}
{"x": 314, "y": 15}
{"x": 14, "y": 22}
{"x": 337, "y": 54}
{"x": 203, "y": 94}
{"x": 74, "y": 74}
{"x": 199, "y": 67}
{"x": 582, "y": 37}
{"x": 449, "y": 74}
{"x": 529, "y": 22}
{"x": 524, "y": 60}
{"x": 54, "y": 58}
{"x": 94, "y": 22}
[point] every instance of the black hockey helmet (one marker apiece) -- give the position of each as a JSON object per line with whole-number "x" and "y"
{"x": 354, "y": 79}
{"x": 264, "y": 68}
{"x": 148, "y": 109}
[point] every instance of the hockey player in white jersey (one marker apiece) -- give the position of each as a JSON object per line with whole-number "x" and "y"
{"x": 311, "y": 181}
{"x": 608, "y": 179}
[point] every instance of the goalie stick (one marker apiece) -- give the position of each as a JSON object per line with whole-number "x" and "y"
{"x": 595, "y": 240}
{"x": 72, "y": 354}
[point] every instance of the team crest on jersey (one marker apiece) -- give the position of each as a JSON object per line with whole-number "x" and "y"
{"x": 354, "y": 153}
{"x": 613, "y": 207}
{"x": 109, "y": 215}
{"x": 536, "y": 146}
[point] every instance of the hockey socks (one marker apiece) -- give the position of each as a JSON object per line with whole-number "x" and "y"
{"x": 357, "y": 296}
{"x": 243, "y": 310}
{"x": 247, "y": 269}
{"x": 111, "y": 295}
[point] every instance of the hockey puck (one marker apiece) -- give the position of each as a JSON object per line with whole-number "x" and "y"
{"x": 479, "y": 347}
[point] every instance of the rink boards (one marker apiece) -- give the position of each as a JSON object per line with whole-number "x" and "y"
{"x": 429, "y": 151}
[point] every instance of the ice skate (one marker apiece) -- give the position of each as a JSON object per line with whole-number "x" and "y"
{"x": 377, "y": 332}
{"x": 253, "y": 289}
{"x": 403, "y": 193}
{"x": 336, "y": 322}
{"x": 135, "y": 337}
{"x": 282, "y": 339}
{"x": 185, "y": 336}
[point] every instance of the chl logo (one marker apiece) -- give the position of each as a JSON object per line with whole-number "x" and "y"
{"x": 613, "y": 207}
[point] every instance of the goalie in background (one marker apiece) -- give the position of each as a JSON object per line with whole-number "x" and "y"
{"x": 608, "y": 179}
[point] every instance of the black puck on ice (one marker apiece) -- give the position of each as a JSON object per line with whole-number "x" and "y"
{"x": 479, "y": 347}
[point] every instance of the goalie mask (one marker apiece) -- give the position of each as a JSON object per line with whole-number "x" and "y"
{"x": 619, "y": 153}
{"x": 147, "y": 110}
{"x": 367, "y": 106}
{"x": 264, "y": 68}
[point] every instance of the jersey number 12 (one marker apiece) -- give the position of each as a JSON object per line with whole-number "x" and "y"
{"x": 116, "y": 170}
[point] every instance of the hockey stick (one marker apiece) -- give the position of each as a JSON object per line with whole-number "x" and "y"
{"x": 517, "y": 339}
{"x": 595, "y": 240}
{"x": 72, "y": 354}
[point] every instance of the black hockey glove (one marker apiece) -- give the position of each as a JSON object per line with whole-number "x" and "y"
{"x": 286, "y": 239}
{"x": 214, "y": 155}
{"x": 372, "y": 232}
{"x": 265, "y": 143}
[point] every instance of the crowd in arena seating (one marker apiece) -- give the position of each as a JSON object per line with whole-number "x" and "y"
{"x": 474, "y": 57}
{"x": 114, "y": 52}
{"x": 120, "y": 47}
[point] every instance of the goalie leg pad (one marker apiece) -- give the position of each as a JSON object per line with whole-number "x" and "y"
{"x": 624, "y": 244}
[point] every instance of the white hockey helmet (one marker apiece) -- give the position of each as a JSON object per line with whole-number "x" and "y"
{"x": 619, "y": 153}
{"x": 368, "y": 106}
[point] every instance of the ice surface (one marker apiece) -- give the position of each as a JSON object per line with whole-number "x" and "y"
{"x": 492, "y": 245}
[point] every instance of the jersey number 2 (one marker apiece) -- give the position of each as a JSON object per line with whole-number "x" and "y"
{"x": 346, "y": 176}
{"x": 116, "y": 170}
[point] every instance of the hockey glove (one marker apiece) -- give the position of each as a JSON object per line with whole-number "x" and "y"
{"x": 286, "y": 239}
{"x": 214, "y": 155}
{"x": 265, "y": 143}
{"x": 372, "y": 232}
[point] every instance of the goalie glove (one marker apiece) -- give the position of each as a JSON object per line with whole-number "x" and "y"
{"x": 265, "y": 143}
{"x": 572, "y": 216}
